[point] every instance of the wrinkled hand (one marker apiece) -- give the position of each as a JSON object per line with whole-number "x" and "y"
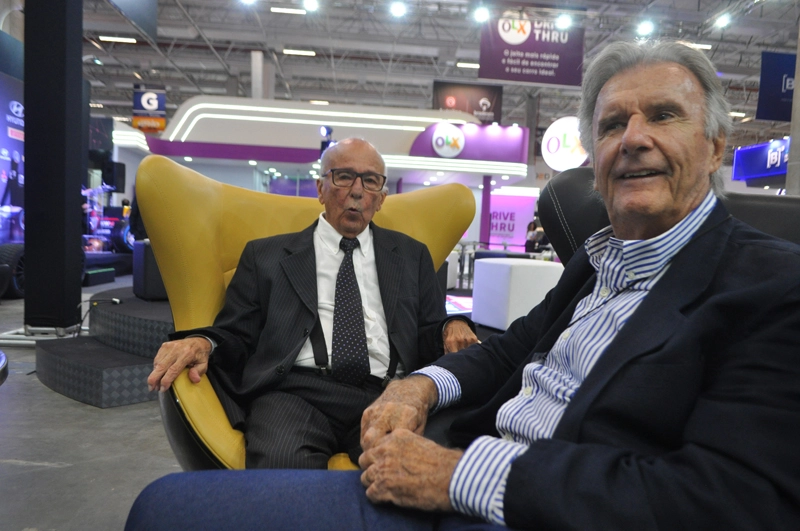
{"x": 410, "y": 471}
{"x": 404, "y": 404}
{"x": 174, "y": 356}
{"x": 458, "y": 335}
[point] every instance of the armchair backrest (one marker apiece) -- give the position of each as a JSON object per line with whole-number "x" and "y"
{"x": 571, "y": 211}
{"x": 198, "y": 228}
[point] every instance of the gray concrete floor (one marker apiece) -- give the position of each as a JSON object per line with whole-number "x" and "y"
{"x": 65, "y": 465}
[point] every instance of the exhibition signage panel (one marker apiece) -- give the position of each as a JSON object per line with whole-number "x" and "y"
{"x": 473, "y": 142}
{"x": 761, "y": 160}
{"x": 510, "y": 217}
{"x": 149, "y": 109}
{"x": 482, "y": 101}
{"x": 531, "y": 50}
{"x": 12, "y": 145}
{"x": 776, "y": 87}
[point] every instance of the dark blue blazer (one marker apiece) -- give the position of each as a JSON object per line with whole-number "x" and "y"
{"x": 691, "y": 417}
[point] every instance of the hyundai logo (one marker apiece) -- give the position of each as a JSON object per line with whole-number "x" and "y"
{"x": 17, "y": 109}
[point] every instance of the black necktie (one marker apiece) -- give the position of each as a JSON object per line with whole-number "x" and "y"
{"x": 349, "y": 360}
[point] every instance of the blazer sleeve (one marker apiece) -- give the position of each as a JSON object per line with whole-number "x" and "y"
{"x": 431, "y": 309}
{"x": 735, "y": 466}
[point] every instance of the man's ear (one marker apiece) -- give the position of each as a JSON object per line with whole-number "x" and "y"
{"x": 319, "y": 192}
{"x": 718, "y": 152}
{"x": 382, "y": 199}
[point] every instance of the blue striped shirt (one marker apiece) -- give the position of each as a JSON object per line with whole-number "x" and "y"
{"x": 626, "y": 272}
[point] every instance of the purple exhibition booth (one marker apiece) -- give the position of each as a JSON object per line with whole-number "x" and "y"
{"x": 503, "y": 219}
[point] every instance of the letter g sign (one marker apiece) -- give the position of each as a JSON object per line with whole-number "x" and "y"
{"x": 150, "y": 101}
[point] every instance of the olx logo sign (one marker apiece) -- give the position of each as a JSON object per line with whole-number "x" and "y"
{"x": 448, "y": 140}
{"x": 512, "y": 29}
{"x": 561, "y": 145}
{"x": 149, "y": 101}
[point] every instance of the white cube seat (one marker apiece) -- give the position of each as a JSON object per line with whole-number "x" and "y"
{"x": 505, "y": 289}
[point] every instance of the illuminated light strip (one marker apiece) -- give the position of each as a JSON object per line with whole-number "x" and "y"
{"x": 127, "y": 138}
{"x": 517, "y": 191}
{"x": 305, "y": 53}
{"x": 287, "y": 11}
{"x": 456, "y": 165}
{"x": 388, "y": 127}
{"x": 312, "y": 112}
{"x": 125, "y": 40}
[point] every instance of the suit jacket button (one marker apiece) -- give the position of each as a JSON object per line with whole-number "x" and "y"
{"x": 305, "y": 332}
{"x": 279, "y": 369}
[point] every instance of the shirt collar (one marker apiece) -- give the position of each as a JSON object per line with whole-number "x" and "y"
{"x": 645, "y": 258}
{"x": 330, "y": 237}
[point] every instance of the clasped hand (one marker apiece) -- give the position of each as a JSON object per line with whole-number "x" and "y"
{"x": 400, "y": 466}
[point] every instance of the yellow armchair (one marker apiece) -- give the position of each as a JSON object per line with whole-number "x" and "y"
{"x": 198, "y": 228}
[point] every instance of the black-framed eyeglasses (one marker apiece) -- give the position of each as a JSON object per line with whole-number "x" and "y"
{"x": 345, "y": 178}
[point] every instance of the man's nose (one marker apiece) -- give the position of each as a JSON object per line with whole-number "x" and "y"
{"x": 357, "y": 189}
{"x": 637, "y": 135}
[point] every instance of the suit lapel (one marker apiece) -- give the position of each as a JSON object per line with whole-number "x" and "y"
{"x": 300, "y": 267}
{"x": 389, "y": 265}
{"x": 658, "y": 316}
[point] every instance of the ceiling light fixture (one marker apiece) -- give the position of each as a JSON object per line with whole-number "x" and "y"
{"x": 311, "y": 5}
{"x": 723, "y": 20}
{"x": 564, "y": 22}
{"x": 319, "y": 102}
{"x": 248, "y": 2}
{"x": 696, "y": 46}
{"x": 126, "y": 40}
{"x": 481, "y": 14}
{"x": 137, "y": 75}
{"x": 287, "y": 11}
{"x": 737, "y": 114}
{"x": 468, "y": 65}
{"x": 252, "y": 162}
{"x": 306, "y": 53}
{"x": 397, "y": 9}
{"x": 645, "y": 28}
{"x": 188, "y": 159}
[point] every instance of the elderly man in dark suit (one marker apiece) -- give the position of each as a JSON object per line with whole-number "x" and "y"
{"x": 655, "y": 387}
{"x": 317, "y": 322}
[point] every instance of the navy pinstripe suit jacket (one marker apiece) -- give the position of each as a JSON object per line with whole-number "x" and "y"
{"x": 271, "y": 307}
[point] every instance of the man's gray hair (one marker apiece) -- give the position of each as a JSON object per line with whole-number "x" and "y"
{"x": 621, "y": 56}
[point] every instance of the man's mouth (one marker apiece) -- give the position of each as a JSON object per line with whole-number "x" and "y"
{"x": 635, "y": 174}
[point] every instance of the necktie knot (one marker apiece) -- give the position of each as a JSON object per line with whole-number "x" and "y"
{"x": 348, "y": 244}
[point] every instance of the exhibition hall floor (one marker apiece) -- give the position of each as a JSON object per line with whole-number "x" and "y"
{"x": 68, "y": 466}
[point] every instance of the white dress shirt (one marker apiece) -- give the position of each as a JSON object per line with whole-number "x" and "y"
{"x": 328, "y": 259}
